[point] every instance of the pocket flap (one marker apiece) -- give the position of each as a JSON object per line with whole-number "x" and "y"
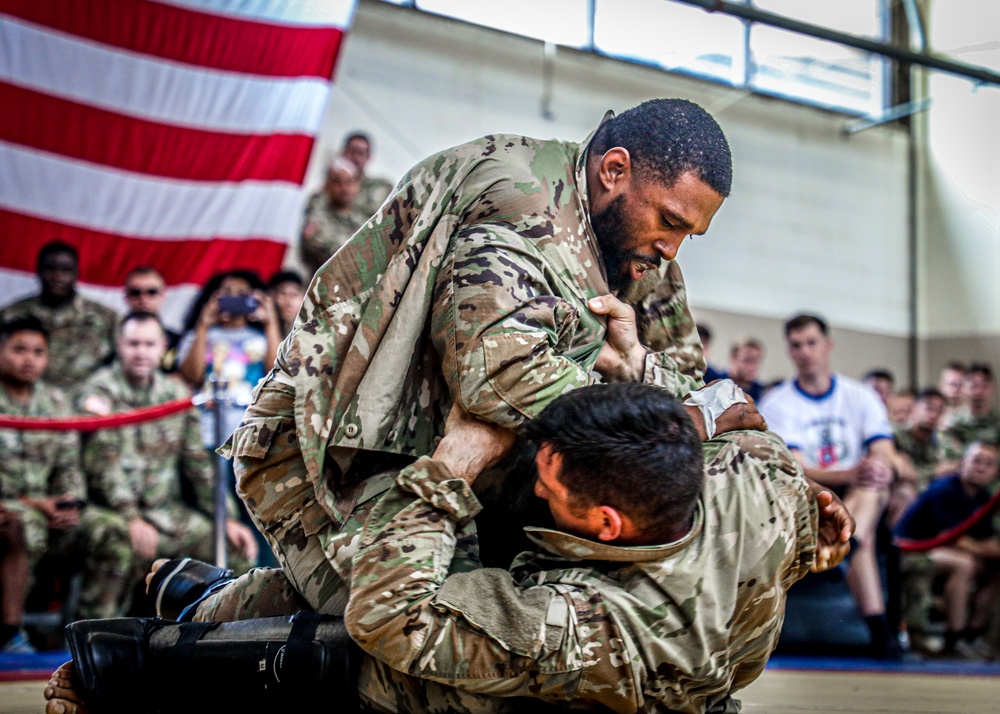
{"x": 254, "y": 437}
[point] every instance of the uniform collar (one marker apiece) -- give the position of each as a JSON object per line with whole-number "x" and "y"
{"x": 578, "y": 548}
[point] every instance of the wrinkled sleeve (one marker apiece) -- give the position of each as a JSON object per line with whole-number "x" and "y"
{"x": 666, "y": 327}
{"x": 67, "y": 473}
{"x": 502, "y": 329}
{"x": 106, "y": 478}
{"x": 478, "y": 631}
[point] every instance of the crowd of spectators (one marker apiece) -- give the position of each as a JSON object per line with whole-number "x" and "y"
{"x": 99, "y": 506}
{"x": 918, "y": 469}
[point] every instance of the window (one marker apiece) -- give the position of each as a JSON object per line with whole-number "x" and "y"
{"x": 680, "y": 37}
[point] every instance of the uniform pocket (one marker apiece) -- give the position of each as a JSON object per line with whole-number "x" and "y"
{"x": 254, "y": 437}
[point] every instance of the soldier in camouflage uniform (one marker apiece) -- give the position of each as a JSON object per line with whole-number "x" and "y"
{"x": 81, "y": 332}
{"x": 480, "y": 283}
{"x": 40, "y": 477}
{"x": 979, "y": 420}
{"x": 661, "y": 589}
{"x": 138, "y": 470}
{"x": 374, "y": 190}
{"x": 332, "y": 215}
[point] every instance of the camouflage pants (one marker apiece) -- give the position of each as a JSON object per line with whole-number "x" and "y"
{"x": 99, "y": 547}
{"x": 314, "y": 552}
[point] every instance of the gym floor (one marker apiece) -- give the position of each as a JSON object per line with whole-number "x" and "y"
{"x": 790, "y": 685}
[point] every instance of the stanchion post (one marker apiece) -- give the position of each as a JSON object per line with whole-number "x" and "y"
{"x": 220, "y": 399}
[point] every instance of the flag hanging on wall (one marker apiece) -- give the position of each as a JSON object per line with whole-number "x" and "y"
{"x": 170, "y": 133}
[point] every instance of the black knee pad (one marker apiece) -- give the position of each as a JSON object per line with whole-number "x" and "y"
{"x": 180, "y": 584}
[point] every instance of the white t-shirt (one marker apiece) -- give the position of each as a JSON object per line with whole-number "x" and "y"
{"x": 833, "y": 430}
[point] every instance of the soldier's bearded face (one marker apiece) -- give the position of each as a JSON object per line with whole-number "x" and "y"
{"x": 643, "y": 222}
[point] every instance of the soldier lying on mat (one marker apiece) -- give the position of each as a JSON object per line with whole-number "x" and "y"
{"x": 663, "y": 587}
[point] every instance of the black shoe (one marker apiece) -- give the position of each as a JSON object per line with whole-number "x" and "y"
{"x": 889, "y": 651}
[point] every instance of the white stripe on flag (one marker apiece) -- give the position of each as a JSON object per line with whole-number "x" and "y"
{"x": 87, "y": 195}
{"x": 285, "y": 12}
{"x": 168, "y": 92}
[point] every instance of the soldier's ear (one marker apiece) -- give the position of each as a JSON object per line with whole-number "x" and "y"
{"x": 615, "y": 169}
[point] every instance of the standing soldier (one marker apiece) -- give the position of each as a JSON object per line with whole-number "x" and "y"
{"x": 332, "y": 215}
{"x": 374, "y": 189}
{"x": 40, "y": 477}
{"x": 81, "y": 332}
{"x": 134, "y": 469}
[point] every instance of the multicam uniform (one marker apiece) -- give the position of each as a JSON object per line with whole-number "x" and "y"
{"x": 374, "y": 191}
{"x": 924, "y": 455}
{"x": 137, "y": 470}
{"x": 325, "y": 231}
{"x": 470, "y": 286}
{"x": 966, "y": 428}
{"x": 81, "y": 337}
{"x": 39, "y": 464}
{"x": 674, "y": 627}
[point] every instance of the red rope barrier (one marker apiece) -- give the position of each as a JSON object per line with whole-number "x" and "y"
{"x": 910, "y": 545}
{"x": 93, "y": 423}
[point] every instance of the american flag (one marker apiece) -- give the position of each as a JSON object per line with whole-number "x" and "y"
{"x": 171, "y": 133}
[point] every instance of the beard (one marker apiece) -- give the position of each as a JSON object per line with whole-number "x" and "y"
{"x": 612, "y": 232}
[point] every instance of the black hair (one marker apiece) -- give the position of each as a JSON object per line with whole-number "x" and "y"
{"x": 881, "y": 374}
{"x": 629, "y": 446}
{"x": 213, "y": 284}
{"x": 929, "y": 393}
{"x": 980, "y": 368}
{"x": 28, "y": 323}
{"x": 357, "y": 135}
{"x": 956, "y": 366}
{"x": 804, "y": 320}
{"x": 139, "y": 316}
{"x": 285, "y": 276}
{"x": 56, "y": 247}
{"x": 704, "y": 333}
{"x": 666, "y": 138}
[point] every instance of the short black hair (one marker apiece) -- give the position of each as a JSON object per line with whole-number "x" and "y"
{"x": 980, "y": 368}
{"x": 956, "y": 366}
{"x": 357, "y": 135}
{"x": 803, "y": 320}
{"x": 666, "y": 138}
{"x": 28, "y": 323}
{"x": 880, "y": 373}
{"x": 929, "y": 393}
{"x": 629, "y": 446}
{"x": 139, "y": 316}
{"x": 285, "y": 276}
{"x": 704, "y": 333}
{"x": 56, "y": 247}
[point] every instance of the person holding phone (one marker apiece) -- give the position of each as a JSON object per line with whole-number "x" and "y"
{"x": 231, "y": 332}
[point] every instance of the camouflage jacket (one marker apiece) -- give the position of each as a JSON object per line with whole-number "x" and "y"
{"x": 965, "y": 429}
{"x": 374, "y": 191}
{"x": 469, "y": 285}
{"x": 137, "y": 469}
{"x": 39, "y": 463}
{"x": 924, "y": 455}
{"x": 324, "y": 232}
{"x": 674, "y": 627}
{"x": 81, "y": 337}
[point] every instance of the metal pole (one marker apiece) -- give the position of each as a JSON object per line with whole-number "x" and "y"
{"x": 923, "y": 59}
{"x": 220, "y": 399}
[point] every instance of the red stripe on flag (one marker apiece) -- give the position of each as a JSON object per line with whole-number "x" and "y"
{"x": 189, "y": 36}
{"x": 83, "y": 132}
{"x": 106, "y": 258}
